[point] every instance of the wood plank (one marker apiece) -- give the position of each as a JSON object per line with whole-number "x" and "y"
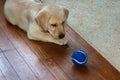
{"x": 4, "y": 41}
{"x": 2, "y": 77}
{"x": 7, "y": 69}
{"x": 20, "y": 66}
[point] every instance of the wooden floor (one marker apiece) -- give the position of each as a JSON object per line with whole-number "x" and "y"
{"x": 23, "y": 59}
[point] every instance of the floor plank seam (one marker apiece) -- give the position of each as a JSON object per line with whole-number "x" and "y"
{"x": 10, "y": 64}
{"x": 3, "y": 74}
{"x": 29, "y": 65}
{"x": 22, "y": 56}
{"x": 56, "y": 63}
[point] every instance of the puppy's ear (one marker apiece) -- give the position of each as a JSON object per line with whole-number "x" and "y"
{"x": 66, "y": 13}
{"x": 42, "y": 20}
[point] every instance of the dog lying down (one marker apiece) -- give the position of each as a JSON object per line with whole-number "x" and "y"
{"x": 41, "y": 21}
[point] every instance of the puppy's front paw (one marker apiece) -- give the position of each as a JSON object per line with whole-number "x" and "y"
{"x": 62, "y": 41}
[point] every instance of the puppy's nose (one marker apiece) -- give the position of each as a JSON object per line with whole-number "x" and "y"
{"x": 61, "y": 36}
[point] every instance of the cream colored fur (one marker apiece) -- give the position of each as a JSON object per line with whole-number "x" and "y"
{"x": 42, "y": 22}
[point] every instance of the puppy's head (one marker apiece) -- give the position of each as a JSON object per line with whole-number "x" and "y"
{"x": 53, "y": 19}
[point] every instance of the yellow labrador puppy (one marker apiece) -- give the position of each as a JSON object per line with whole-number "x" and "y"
{"x": 42, "y": 22}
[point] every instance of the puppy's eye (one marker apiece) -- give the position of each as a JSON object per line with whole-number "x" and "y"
{"x": 54, "y": 25}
